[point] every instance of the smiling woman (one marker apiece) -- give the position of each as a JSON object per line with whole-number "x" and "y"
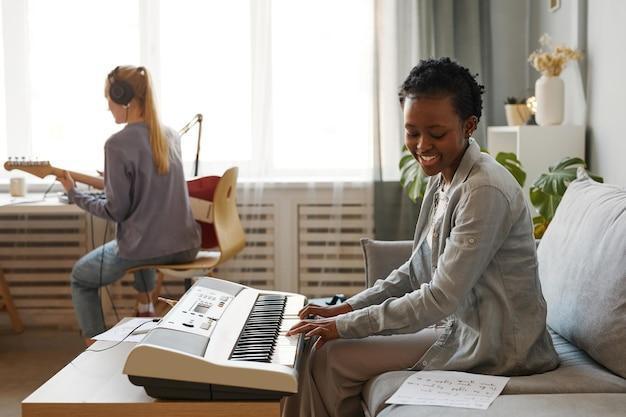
{"x": 435, "y": 135}
{"x": 473, "y": 267}
{"x": 442, "y": 106}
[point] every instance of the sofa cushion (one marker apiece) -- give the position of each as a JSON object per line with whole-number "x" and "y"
{"x": 582, "y": 267}
{"x": 577, "y": 373}
{"x": 570, "y": 405}
{"x": 382, "y": 257}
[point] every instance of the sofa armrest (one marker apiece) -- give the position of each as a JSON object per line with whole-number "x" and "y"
{"x": 381, "y": 257}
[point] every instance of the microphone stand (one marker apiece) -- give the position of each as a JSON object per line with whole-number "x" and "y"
{"x": 196, "y": 119}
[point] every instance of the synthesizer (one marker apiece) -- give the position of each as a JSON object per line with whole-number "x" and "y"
{"x": 221, "y": 341}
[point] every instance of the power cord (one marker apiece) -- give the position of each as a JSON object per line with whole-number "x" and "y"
{"x": 125, "y": 337}
{"x": 117, "y": 317}
{"x": 18, "y": 203}
{"x": 45, "y": 194}
{"x": 106, "y": 229}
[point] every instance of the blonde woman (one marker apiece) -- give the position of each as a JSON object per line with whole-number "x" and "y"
{"x": 145, "y": 195}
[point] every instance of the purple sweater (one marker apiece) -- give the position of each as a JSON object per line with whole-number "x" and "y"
{"x": 152, "y": 211}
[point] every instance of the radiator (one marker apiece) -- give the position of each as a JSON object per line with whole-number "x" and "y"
{"x": 328, "y": 248}
{"x": 37, "y": 253}
{"x": 298, "y": 238}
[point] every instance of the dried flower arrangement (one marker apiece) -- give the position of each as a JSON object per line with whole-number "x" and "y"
{"x": 552, "y": 63}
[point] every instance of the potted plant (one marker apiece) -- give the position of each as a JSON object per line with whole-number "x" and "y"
{"x": 549, "y": 88}
{"x": 414, "y": 180}
{"x": 517, "y": 111}
{"x": 547, "y": 191}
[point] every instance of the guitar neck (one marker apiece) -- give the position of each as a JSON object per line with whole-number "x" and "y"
{"x": 95, "y": 182}
{"x": 42, "y": 169}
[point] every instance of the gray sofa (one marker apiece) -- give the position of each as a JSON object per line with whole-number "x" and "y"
{"x": 582, "y": 267}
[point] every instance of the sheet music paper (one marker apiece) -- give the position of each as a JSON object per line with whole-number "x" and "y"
{"x": 123, "y": 331}
{"x": 451, "y": 389}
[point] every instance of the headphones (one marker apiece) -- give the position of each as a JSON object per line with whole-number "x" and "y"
{"x": 120, "y": 91}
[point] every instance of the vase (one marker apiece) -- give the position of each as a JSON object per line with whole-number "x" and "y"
{"x": 516, "y": 114}
{"x": 550, "y": 94}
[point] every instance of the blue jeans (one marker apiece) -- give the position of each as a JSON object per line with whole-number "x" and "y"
{"x": 103, "y": 266}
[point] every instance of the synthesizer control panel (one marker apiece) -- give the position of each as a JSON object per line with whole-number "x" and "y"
{"x": 198, "y": 311}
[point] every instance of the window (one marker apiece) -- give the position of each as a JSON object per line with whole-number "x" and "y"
{"x": 3, "y": 128}
{"x": 205, "y": 67}
{"x": 285, "y": 87}
{"x": 322, "y": 86}
{"x": 69, "y": 60}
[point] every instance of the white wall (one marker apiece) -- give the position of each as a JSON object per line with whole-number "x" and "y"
{"x": 606, "y": 89}
{"x": 566, "y": 26}
{"x": 596, "y": 28}
{"x": 508, "y": 19}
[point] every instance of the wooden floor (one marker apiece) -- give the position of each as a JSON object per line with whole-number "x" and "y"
{"x": 29, "y": 359}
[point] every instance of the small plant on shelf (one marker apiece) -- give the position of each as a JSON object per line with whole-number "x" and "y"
{"x": 517, "y": 111}
{"x": 515, "y": 100}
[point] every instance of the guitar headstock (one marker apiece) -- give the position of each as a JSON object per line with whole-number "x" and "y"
{"x": 39, "y": 168}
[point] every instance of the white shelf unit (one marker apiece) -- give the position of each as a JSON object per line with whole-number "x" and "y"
{"x": 537, "y": 147}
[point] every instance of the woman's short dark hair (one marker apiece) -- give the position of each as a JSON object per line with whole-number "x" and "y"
{"x": 434, "y": 77}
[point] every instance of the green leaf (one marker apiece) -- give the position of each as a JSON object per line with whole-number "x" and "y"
{"x": 556, "y": 180}
{"x": 545, "y": 203}
{"x": 513, "y": 165}
{"x": 596, "y": 177}
{"x": 412, "y": 177}
{"x": 540, "y": 224}
{"x": 547, "y": 190}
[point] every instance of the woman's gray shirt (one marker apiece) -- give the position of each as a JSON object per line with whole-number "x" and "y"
{"x": 480, "y": 278}
{"x": 151, "y": 210}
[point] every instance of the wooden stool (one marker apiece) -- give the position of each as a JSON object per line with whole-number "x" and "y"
{"x": 231, "y": 238}
{"x": 7, "y": 300}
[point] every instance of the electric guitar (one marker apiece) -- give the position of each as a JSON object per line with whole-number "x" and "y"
{"x": 42, "y": 169}
{"x": 200, "y": 192}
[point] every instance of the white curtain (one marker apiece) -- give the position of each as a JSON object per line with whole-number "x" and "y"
{"x": 285, "y": 86}
{"x": 3, "y": 126}
{"x": 410, "y": 30}
{"x": 407, "y": 31}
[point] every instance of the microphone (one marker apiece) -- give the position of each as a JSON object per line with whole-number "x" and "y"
{"x": 196, "y": 119}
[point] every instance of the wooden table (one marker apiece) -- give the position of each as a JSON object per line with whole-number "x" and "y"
{"x": 93, "y": 385}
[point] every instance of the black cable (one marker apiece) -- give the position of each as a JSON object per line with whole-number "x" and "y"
{"x": 48, "y": 190}
{"x": 165, "y": 290}
{"x": 124, "y": 338}
{"x": 145, "y": 287}
{"x": 93, "y": 246}
{"x": 31, "y": 201}
{"x": 117, "y": 316}
{"x": 106, "y": 229}
{"x": 93, "y": 238}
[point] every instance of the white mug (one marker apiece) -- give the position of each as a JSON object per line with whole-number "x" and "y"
{"x": 18, "y": 187}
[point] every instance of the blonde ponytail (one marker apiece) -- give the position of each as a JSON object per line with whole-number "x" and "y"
{"x": 140, "y": 80}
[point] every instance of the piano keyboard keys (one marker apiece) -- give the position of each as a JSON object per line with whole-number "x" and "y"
{"x": 264, "y": 336}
